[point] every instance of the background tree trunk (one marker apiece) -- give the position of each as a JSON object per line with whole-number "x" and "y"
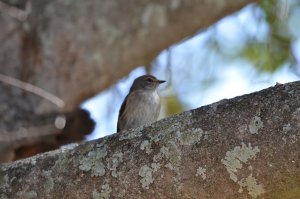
{"x": 246, "y": 147}
{"x": 75, "y": 49}
{"x": 86, "y": 46}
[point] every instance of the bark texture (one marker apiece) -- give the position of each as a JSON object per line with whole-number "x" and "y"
{"x": 246, "y": 147}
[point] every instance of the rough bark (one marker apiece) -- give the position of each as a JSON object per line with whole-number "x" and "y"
{"x": 246, "y": 147}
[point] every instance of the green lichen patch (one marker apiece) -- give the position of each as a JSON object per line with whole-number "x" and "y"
{"x": 250, "y": 183}
{"x": 169, "y": 166}
{"x": 171, "y": 153}
{"x": 146, "y": 173}
{"x": 155, "y": 166}
{"x": 98, "y": 169}
{"x": 174, "y": 155}
{"x": 161, "y": 154}
{"x": 294, "y": 139}
{"x": 191, "y": 136}
{"x": 94, "y": 162}
{"x": 201, "y": 172}
{"x": 146, "y": 146}
{"x": 234, "y": 160}
{"x": 255, "y": 125}
{"x": 288, "y": 137}
{"x": 114, "y": 162}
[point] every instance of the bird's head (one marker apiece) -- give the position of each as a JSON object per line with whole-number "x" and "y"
{"x": 146, "y": 82}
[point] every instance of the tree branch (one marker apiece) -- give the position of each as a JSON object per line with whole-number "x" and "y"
{"x": 32, "y": 89}
{"x": 95, "y": 43}
{"x": 246, "y": 147}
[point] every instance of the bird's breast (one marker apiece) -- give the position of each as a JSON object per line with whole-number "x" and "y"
{"x": 155, "y": 98}
{"x": 148, "y": 106}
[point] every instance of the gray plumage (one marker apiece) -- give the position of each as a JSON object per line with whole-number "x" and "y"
{"x": 142, "y": 104}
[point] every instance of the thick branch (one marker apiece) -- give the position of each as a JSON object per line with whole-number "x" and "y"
{"x": 246, "y": 147}
{"x": 86, "y": 46}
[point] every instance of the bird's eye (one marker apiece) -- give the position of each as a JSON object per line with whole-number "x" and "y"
{"x": 149, "y": 79}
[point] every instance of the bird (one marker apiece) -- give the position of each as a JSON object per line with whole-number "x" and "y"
{"x": 142, "y": 104}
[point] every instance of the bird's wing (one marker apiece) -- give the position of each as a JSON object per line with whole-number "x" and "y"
{"x": 121, "y": 112}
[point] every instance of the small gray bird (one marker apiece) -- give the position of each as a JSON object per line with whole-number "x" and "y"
{"x": 141, "y": 105}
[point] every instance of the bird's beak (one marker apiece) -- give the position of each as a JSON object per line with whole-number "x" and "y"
{"x": 161, "y": 81}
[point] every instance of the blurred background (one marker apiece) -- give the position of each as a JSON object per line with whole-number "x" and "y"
{"x": 250, "y": 50}
{"x": 52, "y": 61}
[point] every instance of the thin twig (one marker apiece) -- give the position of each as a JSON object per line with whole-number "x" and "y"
{"x": 169, "y": 65}
{"x": 28, "y": 135}
{"x": 33, "y": 89}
